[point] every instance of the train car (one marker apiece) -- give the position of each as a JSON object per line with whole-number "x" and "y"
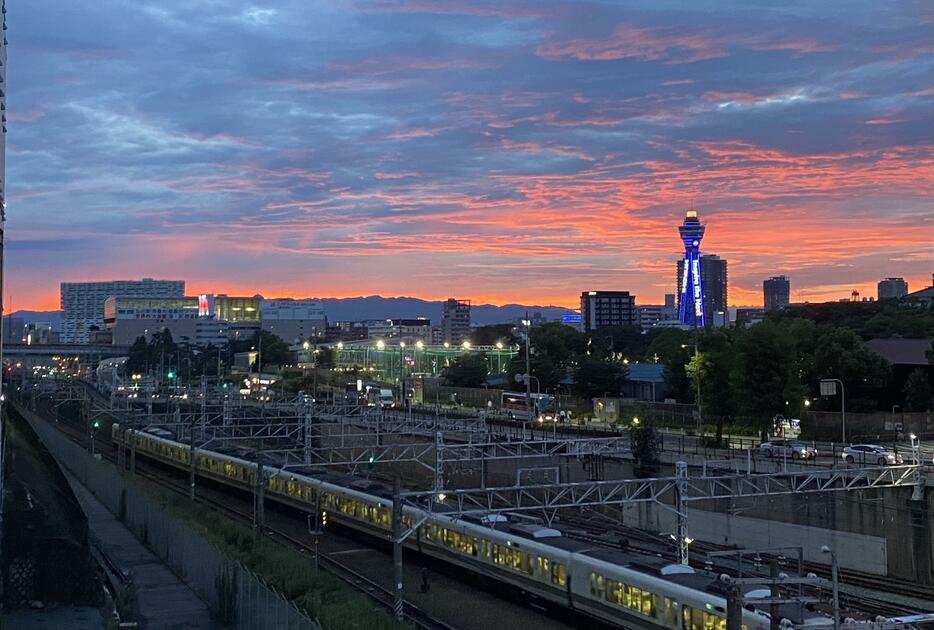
{"x": 624, "y": 588}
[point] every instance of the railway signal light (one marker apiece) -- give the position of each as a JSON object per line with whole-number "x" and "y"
{"x": 371, "y": 460}
{"x": 171, "y": 374}
{"x": 324, "y": 519}
{"x": 97, "y": 425}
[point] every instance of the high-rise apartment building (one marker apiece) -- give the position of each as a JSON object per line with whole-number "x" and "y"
{"x": 82, "y": 303}
{"x": 455, "y": 321}
{"x": 714, "y": 283}
{"x": 892, "y": 288}
{"x": 600, "y": 309}
{"x": 776, "y": 293}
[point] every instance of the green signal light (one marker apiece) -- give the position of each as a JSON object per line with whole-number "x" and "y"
{"x": 171, "y": 374}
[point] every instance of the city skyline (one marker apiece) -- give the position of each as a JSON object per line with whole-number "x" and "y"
{"x": 501, "y": 152}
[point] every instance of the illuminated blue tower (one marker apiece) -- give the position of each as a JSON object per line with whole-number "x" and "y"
{"x": 691, "y": 301}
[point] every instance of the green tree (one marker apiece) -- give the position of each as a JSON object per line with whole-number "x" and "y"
{"x": 273, "y": 350}
{"x": 629, "y": 341}
{"x": 138, "y": 356}
{"x": 468, "y": 370}
{"x": 767, "y": 381}
{"x": 840, "y": 353}
{"x": 713, "y": 368}
{"x": 670, "y": 347}
{"x": 555, "y": 351}
{"x": 490, "y": 335}
{"x": 918, "y": 391}
{"x": 326, "y": 358}
{"x": 596, "y": 376}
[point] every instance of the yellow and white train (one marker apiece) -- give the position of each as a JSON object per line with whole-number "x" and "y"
{"x": 624, "y": 588}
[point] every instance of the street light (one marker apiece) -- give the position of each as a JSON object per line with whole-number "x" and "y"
{"x": 828, "y": 387}
{"x": 836, "y": 591}
{"x": 466, "y": 345}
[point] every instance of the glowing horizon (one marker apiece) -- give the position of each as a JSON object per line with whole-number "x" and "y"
{"x": 508, "y": 151}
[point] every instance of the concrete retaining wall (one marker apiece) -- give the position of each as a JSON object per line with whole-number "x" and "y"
{"x": 854, "y": 551}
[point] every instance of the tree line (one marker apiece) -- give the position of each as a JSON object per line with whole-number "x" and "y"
{"x": 745, "y": 375}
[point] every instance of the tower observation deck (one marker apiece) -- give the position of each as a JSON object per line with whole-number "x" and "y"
{"x": 691, "y": 302}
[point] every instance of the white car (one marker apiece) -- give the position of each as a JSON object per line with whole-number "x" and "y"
{"x": 787, "y": 448}
{"x": 871, "y": 454}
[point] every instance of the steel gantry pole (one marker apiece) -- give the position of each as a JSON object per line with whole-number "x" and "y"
{"x": 398, "y": 594}
{"x": 681, "y": 507}
{"x": 439, "y": 461}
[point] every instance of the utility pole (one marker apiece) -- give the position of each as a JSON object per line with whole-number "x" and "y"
{"x": 773, "y": 608}
{"x": 734, "y": 608}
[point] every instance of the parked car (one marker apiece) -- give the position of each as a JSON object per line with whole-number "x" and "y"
{"x": 787, "y": 448}
{"x": 870, "y": 454}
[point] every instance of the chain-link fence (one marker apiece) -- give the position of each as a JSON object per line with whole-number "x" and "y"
{"x": 236, "y": 596}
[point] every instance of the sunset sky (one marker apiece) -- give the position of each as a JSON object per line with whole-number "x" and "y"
{"x": 494, "y": 150}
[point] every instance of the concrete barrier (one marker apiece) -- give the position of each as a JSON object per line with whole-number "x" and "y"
{"x": 854, "y": 551}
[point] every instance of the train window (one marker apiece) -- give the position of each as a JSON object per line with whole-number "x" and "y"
{"x": 597, "y": 586}
{"x": 631, "y": 597}
{"x": 544, "y": 567}
{"x": 696, "y": 619}
{"x": 559, "y": 574}
{"x": 671, "y": 613}
{"x": 512, "y": 558}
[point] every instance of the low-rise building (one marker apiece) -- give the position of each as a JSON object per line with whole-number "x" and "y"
{"x": 418, "y": 329}
{"x": 920, "y": 299}
{"x": 294, "y": 320}
{"x": 652, "y": 315}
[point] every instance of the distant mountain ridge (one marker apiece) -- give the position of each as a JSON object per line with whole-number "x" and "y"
{"x": 32, "y": 317}
{"x": 379, "y": 307}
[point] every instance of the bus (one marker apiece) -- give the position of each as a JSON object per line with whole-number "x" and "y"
{"x": 543, "y": 407}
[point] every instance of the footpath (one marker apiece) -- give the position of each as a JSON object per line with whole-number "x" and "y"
{"x": 163, "y": 601}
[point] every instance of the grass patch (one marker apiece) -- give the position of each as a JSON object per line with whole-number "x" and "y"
{"x": 321, "y": 595}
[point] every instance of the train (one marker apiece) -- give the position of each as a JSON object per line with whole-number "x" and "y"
{"x": 621, "y": 587}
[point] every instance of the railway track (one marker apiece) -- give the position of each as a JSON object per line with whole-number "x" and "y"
{"x": 881, "y": 585}
{"x": 651, "y": 545}
{"x": 379, "y": 594}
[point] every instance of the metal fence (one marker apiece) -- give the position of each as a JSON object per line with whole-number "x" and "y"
{"x": 239, "y": 598}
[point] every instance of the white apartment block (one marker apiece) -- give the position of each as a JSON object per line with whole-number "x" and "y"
{"x": 82, "y": 303}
